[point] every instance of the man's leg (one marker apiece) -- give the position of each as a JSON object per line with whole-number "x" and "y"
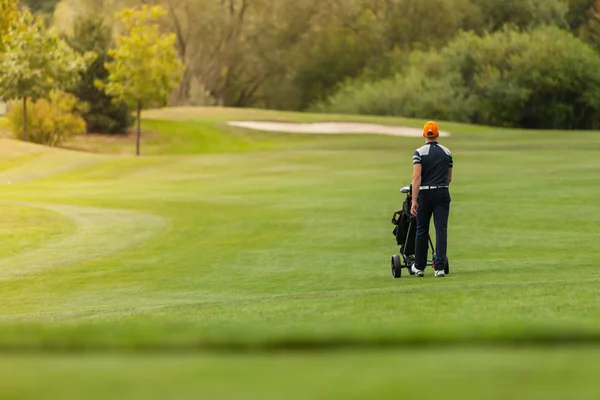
{"x": 423, "y": 219}
{"x": 441, "y": 212}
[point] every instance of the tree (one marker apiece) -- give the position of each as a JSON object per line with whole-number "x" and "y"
{"x": 35, "y": 61}
{"x": 494, "y": 14}
{"x": 577, "y": 15}
{"x": 41, "y": 6}
{"x": 145, "y": 68}
{"x": 8, "y": 16}
{"x": 104, "y": 114}
{"x": 589, "y": 30}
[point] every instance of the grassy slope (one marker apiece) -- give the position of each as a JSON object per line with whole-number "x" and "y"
{"x": 292, "y": 242}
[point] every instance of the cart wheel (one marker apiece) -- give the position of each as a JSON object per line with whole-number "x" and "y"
{"x": 396, "y": 266}
{"x": 447, "y": 267}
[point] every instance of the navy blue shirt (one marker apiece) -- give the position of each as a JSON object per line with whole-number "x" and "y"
{"x": 435, "y": 160}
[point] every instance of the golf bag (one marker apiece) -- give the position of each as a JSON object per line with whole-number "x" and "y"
{"x": 405, "y": 232}
{"x": 405, "y": 229}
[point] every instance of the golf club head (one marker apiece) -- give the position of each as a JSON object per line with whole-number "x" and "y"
{"x": 405, "y": 189}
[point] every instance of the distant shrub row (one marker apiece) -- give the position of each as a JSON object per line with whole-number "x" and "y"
{"x": 545, "y": 79}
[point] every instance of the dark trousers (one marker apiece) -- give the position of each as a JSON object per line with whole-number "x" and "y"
{"x": 436, "y": 202}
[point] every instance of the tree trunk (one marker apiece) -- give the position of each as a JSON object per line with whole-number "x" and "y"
{"x": 139, "y": 129}
{"x": 25, "y": 133}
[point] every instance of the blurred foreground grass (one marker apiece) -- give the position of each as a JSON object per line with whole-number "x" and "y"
{"x": 511, "y": 373}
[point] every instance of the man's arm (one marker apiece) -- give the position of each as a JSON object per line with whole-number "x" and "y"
{"x": 416, "y": 180}
{"x": 416, "y": 184}
{"x": 451, "y": 167}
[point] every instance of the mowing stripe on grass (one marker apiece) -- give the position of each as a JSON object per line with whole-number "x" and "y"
{"x": 98, "y": 232}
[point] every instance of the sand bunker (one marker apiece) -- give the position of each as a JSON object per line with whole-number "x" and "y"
{"x": 331, "y": 128}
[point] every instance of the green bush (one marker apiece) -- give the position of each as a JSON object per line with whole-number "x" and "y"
{"x": 545, "y": 78}
{"x": 49, "y": 122}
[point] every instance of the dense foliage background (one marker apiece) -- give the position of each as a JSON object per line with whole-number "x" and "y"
{"x": 503, "y": 62}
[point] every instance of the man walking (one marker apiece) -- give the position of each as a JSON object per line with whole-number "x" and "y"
{"x": 432, "y": 174}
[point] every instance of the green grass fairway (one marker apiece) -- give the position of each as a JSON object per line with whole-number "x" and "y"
{"x": 221, "y": 239}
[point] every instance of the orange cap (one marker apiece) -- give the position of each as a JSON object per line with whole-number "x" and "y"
{"x": 430, "y": 130}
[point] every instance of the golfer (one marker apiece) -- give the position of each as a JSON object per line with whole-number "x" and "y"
{"x": 432, "y": 174}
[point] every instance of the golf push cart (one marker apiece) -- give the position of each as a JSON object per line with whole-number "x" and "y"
{"x": 405, "y": 231}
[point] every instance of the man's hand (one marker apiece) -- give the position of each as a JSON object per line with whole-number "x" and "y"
{"x": 413, "y": 208}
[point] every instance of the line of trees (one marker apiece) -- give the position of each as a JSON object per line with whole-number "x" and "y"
{"x": 544, "y": 78}
{"x": 307, "y": 54}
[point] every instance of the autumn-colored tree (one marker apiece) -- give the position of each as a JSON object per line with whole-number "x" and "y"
{"x": 36, "y": 61}
{"x": 8, "y": 16}
{"x": 146, "y": 67}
